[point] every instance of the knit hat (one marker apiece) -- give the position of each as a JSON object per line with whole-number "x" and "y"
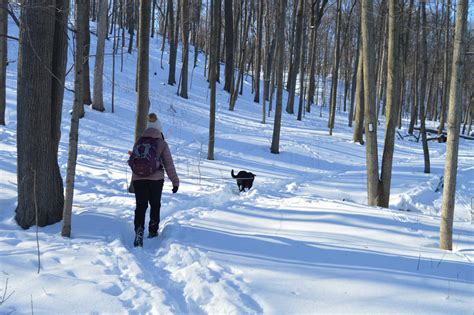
{"x": 153, "y": 122}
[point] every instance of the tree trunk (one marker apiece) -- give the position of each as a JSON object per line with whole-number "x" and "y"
{"x": 229, "y": 45}
{"x": 359, "y": 96}
{"x": 258, "y": 54}
{"x": 416, "y": 99}
{"x": 242, "y": 55}
{"x": 335, "y": 69}
{"x": 393, "y": 90}
{"x": 424, "y": 78}
{"x": 354, "y": 80}
{"x": 454, "y": 121}
{"x": 41, "y": 70}
{"x": 446, "y": 83}
{"x": 173, "y": 45}
{"x": 143, "y": 66}
{"x": 280, "y": 36}
{"x": 98, "y": 98}
{"x": 3, "y": 57}
{"x": 213, "y": 62}
{"x": 302, "y": 69}
{"x": 296, "y": 59}
{"x": 86, "y": 51}
{"x": 80, "y": 13}
{"x": 317, "y": 11}
{"x": 404, "y": 51}
{"x": 369, "y": 100}
{"x": 185, "y": 51}
{"x": 130, "y": 23}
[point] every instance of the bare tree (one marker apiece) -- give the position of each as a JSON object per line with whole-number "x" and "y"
{"x": 335, "y": 69}
{"x": 3, "y": 57}
{"x": 80, "y": 12}
{"x": 369, "y": 100}
{"x": 280, "y": 36}
{"x": 40, "y": 86}
{"x": 424, "y": 78}
{"x": 454, "y": 122}
{"x": 359, "y": 97}
{"x": 173, "y": 44}
{"x": 213, "y": 62}
{"x": 297, "y": 52}
{"x": 185, "y": 51}
{"x": 258, "y": 53}
{"x": 317, "y": 12}
{"x": 229, "y": 45}
{"x": 98, "y": 98}
{"x": 86, "y": 52}
{"x": 393, "y": 90}
{"x": 446, "y": 83}
{"x": 142, "y": 67}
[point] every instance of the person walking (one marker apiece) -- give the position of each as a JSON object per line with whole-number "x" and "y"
{"x": 149, "y": 160}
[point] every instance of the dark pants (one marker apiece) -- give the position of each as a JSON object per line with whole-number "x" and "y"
{"x": 148, "y": 191}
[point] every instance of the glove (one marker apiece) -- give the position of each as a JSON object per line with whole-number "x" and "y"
{"x": 175, "y": 189}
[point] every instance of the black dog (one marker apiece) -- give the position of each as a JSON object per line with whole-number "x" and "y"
{"x": 244, "y": 179}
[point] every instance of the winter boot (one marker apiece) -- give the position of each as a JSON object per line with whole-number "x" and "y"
{"x": 138, "y": 238}
{"x": 152, "y": 234}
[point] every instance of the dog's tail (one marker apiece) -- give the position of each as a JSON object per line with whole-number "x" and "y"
{"x": 232, "y": 173}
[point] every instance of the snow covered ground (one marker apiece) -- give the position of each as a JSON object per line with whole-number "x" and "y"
{"x": 301, "y": 241}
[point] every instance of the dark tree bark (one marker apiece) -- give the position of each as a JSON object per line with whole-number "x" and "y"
{"x": 393, "y": 89}
{"x": 40, "y": 85}
{"x": 297, "y": 49}
{"x": 86, "y": 52}
{"x": 359, "y": 101}
{"x": 130, "y": 23}
{"x": 229, "y": 45}
{"x": 415, "y": 105}
{"x": 317, "y": 12}
{"x": 3, "y": 57}
{"x": 302, "y": 68}
{"x": 173, "y": 45}
{"x": 258, "y": 54}
{"x": 354, "y": 79}
{"x": 424, "y": 78}
{"x": 185, "y": 51}
{"x": 213, "y": 62}
{"x": 143, "y": 68}
{"x": 243, "y": 50}
{"x": 280, "y": 37}
{"x": 335, "y": 69}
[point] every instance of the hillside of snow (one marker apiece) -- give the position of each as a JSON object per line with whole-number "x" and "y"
{"x": 301, "y": 241}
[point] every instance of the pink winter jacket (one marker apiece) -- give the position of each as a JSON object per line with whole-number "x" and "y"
{"x": 165, "y": 157}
